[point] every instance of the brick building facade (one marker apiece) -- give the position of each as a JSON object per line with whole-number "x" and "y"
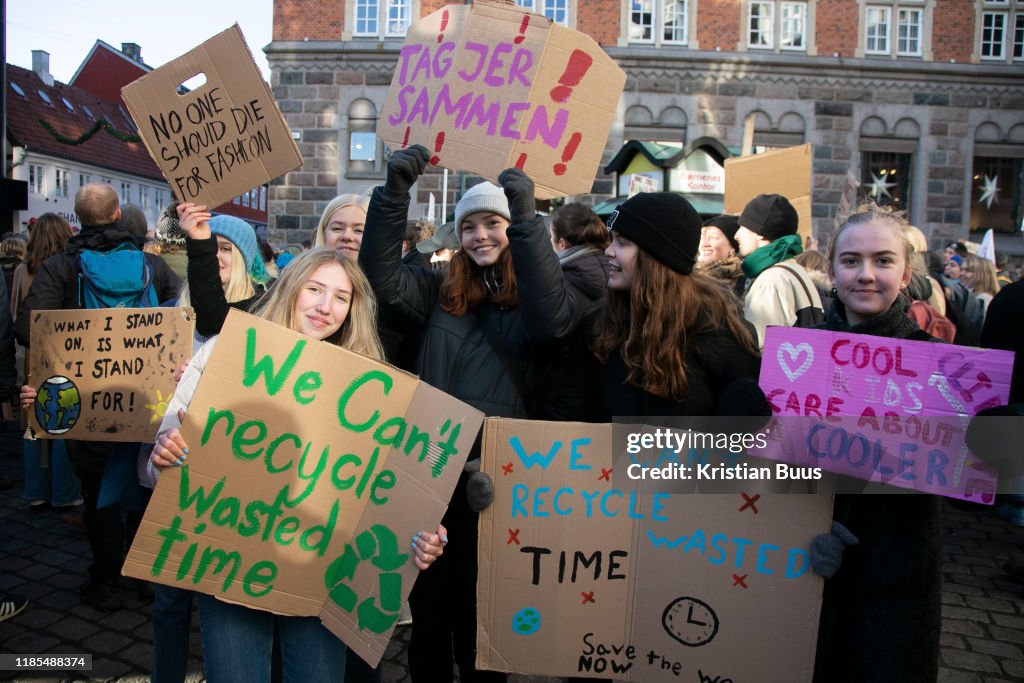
{"x": 922, "y": 100}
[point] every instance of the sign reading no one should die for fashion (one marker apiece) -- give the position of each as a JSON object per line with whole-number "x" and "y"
{"x": 881, "y": 409}
{"x": 583, "y": 574}
{"x": 105, "y": 374}
{"x": 309, "y": 470}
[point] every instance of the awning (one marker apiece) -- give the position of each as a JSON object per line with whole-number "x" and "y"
{"x": 707, "y": 205}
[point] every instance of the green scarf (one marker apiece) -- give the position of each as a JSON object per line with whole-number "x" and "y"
{"x": 767, "y": 256}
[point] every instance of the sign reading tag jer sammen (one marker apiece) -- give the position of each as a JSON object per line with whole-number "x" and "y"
{"x": 584, "y": 572}
{"x": 309, "y": 469}
{"x": 105, "y": 374}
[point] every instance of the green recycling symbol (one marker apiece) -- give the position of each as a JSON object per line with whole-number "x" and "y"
{"x": 379, "y": 545}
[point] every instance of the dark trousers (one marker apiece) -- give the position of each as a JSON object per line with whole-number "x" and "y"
{"x": 103, "y": 526}
{"x": 443, "y": 604}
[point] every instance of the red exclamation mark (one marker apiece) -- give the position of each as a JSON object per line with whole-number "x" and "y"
{"x": 522, "y": 30}
{"x": 438, "y": 144}
{"x": 570, "y": 150}
{"x": 444, "y": 25}
{"x": 405, "y": 140}
{"x": 521, "y": 161}
{"x": 575, "y": 70}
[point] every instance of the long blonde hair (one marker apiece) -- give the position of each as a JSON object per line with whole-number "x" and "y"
{"x": 339, "y": 202}
{"x": 239, "y": 286}
{"x": 985, "y": 281}
{"x": 359, "y": 331}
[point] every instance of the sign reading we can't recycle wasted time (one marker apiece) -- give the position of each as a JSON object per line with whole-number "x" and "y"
{"x": 309, "y": 469}
{"x": 488, "y": 86}
{"x": 881, "y": 409}
{"x": 583, "y": 573}
{"x": 105, "y": 374}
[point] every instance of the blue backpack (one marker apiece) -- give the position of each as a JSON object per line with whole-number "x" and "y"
{"x": 119, "y": 278}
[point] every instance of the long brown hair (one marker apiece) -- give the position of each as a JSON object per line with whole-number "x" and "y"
{"x": 464, "y": 288}
{"x": 650, "y": 325}
{"x": 49, "y": 236}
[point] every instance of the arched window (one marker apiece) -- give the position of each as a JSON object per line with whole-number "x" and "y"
{"x": 887, "y": 160}
{"x": 363, "y": 146}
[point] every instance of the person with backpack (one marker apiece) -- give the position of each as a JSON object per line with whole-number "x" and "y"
{"x": 101, "y": 267}
{"x": 780, "y": 292}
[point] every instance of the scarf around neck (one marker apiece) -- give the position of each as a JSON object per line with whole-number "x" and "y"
{"x": 763, "y": 258}
{"x": 894, "y": 323}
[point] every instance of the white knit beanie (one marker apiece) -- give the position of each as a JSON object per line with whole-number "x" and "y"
{"x": 482, "y": 197}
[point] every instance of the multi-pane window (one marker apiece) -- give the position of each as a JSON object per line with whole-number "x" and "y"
{"x": 555, "y": 10}
{"x": 760, "y": 23}
{"x": 144, "y": 198}
{"x": 895, "y": 29}
{"x": 1001, "y": 30}
{"x": 908, "y": 32}
{"x": 382, "y": 18}
{"x": 885, "y": 178}
{"x": 126, "y": 192}
{"x": 61, "y": 183}
{"x": 777, "y": 25}
{"x": 35, "y": 179}
{"x": 658, "y": 22}
{"x": 1018, "y": 37}
{"x": 996, "y": 188}
{"x": 84, "y": 179}
{"x": 993, "y": 32}
{"x": 877, "y": 21}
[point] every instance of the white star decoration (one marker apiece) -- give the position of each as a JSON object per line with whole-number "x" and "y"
{"x": 988, "y": 191}
{"x": 880, "y": 186}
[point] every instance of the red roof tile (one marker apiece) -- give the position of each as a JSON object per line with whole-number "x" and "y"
{"x": 26, "y": 116}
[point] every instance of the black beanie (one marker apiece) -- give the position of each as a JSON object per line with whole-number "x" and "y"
{"x": 663, "y": 224}
{"x": 771, "y": 216}
{"x": 728, "y": 225}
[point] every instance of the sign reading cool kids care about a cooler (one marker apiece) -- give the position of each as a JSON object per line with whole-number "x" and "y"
{"x": 585, "y": 572}
{"x": 881, "y": 409}
{"x": 309, "y": 470}
{"x": 488, "y": 86}
{"x": 105, "y": 374}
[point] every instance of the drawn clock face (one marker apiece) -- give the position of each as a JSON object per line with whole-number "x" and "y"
{"x": 690, "y": 621}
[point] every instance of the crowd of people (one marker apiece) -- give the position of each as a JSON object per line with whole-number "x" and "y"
{"x": 655, "y": 312}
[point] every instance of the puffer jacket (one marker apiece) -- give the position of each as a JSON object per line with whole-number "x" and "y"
{"x": 585, "y": 269}
{"x": 455, "y": 355}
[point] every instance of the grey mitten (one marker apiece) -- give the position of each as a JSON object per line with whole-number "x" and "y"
{"x": 827, "y": 550}
{"x": 479, "y": 487}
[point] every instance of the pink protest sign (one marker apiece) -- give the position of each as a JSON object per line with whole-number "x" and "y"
{"x": 489, "y": 86}
{"x": 881, "y": 409}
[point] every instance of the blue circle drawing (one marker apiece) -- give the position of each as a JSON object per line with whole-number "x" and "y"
{"x": 526, "y": 621}
{"x": 58, "y": 405}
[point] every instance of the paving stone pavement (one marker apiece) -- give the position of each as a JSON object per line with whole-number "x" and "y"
{"x": 46, "y": 560}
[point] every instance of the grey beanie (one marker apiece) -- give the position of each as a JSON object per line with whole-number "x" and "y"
{"x": 483, "y": 197}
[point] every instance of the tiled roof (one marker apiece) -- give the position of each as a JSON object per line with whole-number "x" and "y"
{"x": 28, "y": 115}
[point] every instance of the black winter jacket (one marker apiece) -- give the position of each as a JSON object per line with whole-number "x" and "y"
{"x": 880, "y": 614}
{"x": 455, "y": 355}
{"x": 586, "y": 274}
{"x": 8, "y": 369}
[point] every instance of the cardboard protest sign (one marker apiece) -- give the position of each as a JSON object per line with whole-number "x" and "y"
{"x": 221, "y": 139}
{"x": 585, "y": 574}
{"x": 489, "y": 86}
{"x": 105, "y": 374}
{"x": 309, "y": 469}
{"x": 906, "y": 406}
{"x": 783, "y": 171}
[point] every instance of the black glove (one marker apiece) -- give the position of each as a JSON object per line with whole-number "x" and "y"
{"x": 519, "y": 191}
{"x": 479, "y": 487}
{"x": 404, "y": 167}
{"x": 827, "y": 550}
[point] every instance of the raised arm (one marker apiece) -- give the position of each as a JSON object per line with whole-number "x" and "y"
{"x": 548, "y": 309}
{"x": 404, "y": 293}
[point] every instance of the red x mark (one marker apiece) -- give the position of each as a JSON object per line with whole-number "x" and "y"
{"x": 750, "y": 502}
{"x": 507, "y": 468}
{"x": 739, "y": 580}
{"x": 513, "y": 537}
{"x": 605, "y": 474}
{"x": 588, "y": 597}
